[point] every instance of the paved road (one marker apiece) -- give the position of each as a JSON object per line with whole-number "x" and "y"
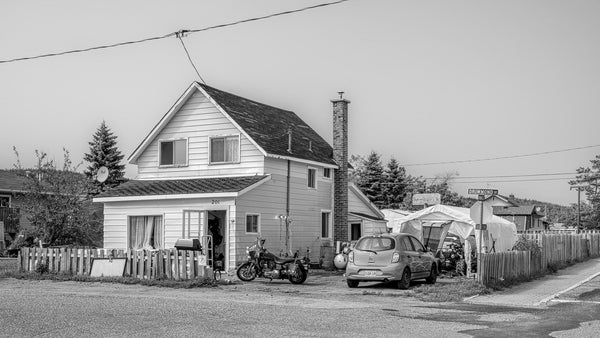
{"x": 323, "y": 307}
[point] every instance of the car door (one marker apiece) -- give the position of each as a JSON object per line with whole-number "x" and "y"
{"x": 423, "y": 259}
{"x": 411, "y": 255}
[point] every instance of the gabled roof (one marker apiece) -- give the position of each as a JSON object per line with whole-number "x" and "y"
{"x": 520, "y": 210}
{"x": 11, "y": 182}
{"x": 361, "y": 196}
{"x": 265, "y": 126}
{"x": 503, "y": 198}
{"x": 182, "y": 188}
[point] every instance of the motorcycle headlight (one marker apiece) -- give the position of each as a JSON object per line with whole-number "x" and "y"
{"x": 351, "y": 257}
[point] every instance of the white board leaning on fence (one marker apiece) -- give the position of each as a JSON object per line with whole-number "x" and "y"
{"x": 503, "y": 232}
{"x": 108, "y": 267}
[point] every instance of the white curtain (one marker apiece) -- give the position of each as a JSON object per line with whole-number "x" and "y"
{"x": 231, "y": 149}
{"x": 146, "y": 232}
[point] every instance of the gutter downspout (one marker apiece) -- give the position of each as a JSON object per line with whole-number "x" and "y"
{"x": 287, "y": 209}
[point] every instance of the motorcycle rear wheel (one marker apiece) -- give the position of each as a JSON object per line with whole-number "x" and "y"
{"x": 247, "y": 272}
{"x": 298, "y": 276}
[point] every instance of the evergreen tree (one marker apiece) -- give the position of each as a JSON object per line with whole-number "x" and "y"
{"x": 394, "y": 185}
{"x": 104, "y": 152}
{"x": 372, "y": 178}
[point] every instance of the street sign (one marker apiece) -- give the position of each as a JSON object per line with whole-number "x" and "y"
{"x": 426, "y": 199}
{"x": 483, "y": 191}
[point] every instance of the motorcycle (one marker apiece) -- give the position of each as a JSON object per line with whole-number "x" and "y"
{"x": 262, "y": 263}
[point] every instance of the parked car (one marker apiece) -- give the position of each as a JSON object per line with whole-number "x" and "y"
{"x": 394, "y": 257}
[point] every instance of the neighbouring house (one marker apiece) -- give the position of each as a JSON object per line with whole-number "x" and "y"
{"x": 11, "y": 217}
{"x": 220, "y": 165}
{"x": 526, "y": 217}
{"x": 394, "y": 217}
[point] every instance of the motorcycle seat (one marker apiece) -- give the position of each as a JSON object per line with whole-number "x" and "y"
{"x": 283, "y": 260}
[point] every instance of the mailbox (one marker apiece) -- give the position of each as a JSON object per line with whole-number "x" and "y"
{"x": 188, "y": 244}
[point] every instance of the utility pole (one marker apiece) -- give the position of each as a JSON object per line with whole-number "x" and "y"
{"x": 579, "y": 188}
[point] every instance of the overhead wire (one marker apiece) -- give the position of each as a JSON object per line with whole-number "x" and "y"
{"x": 179, "y": 36}
{"x": 500, "y": 158}
{"x": 176, "y": 34}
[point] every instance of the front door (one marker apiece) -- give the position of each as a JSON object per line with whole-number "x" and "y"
{"x": 355, "y": 231}
{"x": 217, "y": 225}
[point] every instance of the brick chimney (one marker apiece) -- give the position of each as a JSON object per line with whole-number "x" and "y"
{"x": 340, "y": 156}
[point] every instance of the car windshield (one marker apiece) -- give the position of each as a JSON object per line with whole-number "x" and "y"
{"x": 375, "y": 244}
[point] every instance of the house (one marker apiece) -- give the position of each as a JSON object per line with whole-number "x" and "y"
{"x": 11, "y": 218}
{"x": 526, "y": 217}
{"x": 224, "y": 166}
{"x": 500, "y": 200}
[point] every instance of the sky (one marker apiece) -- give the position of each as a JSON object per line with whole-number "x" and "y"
{"x": 429, "y": 81}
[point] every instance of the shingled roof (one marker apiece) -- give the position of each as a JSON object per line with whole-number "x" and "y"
{"x": 182, "y": 187}
{"x": 267, "y": 126}
{"x": 519, "y": 210}
{"x": 10, "y": 181}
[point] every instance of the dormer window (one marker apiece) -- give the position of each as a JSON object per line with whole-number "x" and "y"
{"x": 173, "y": 152}
{"x": 225, "y": 149}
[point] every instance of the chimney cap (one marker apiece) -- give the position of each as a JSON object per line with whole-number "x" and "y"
{"x": 341, "y": 98}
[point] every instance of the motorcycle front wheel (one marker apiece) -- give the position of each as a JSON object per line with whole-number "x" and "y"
{"x": 297, "y": 276}
{"x": 247, "y": 272}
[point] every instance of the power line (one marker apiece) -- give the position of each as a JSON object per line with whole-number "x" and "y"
{"x": 118, "y": 44}
{"x": 511, "y": 181}
{"x": 500, "y": 158}
{"x": 179, "y": 36}
{"x": 506, "y": 176}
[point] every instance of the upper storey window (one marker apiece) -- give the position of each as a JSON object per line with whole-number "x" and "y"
{"x": 173, "y": 153}
{"x": 225, "y": 149}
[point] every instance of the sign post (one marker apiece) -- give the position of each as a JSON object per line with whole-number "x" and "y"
{"x": 484, "y": 217}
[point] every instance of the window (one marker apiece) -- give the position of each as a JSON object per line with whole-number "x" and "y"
{"x": 327, "y": 172}
{"x": 376, "y": 244}
{"x": 225, "y": 149}
{"x": 191, "y": 224}
{"x": 325, "y": 224}
{"x": 145, "y": 232}
{"x": 418, "y": 246}
{"x": 173, "y": 152}
{"x": 312, "y": 178}
{"x": 408, "y": 244}
{"x": 4, "y": 201}
{"x": 252, "y": 223}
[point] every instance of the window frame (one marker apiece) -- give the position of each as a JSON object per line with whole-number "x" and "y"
{"x": 239, "y": 148}
{"x": 189, "y": 229}
{"x": 329, "y": 224}
{"x": 9, "y": 200}
{"x": 257, "y": 223}
{"x": 128, "y": 230}
{"x": 173, "y": 141}
{"x": 328, "y": 170}
{"x": 314, "y": 178}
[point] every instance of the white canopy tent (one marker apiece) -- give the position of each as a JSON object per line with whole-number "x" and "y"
{"x": 501, "y": 233}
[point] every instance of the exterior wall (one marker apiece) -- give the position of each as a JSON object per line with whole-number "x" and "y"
{"x": 197, "y": 120}
{"x": 116, "y": 219}
{"x": 494, "y": 201}
{"x": 356, "y": 204}
{"x": 520, "y": 221}
{"x": 269, "y": 200}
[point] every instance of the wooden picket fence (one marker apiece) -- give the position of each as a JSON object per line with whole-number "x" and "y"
{"x": 556, "y": 249}
{"x": 144, "y": 264}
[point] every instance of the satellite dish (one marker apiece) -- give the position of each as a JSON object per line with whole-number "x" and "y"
{"x": 102, "y": 174}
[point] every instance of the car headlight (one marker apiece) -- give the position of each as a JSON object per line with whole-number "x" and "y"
{"x": 395, "y": 257}
{"x": 351, "y": 257}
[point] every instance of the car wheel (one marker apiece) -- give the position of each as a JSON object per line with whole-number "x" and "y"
{"x": 432, "y": 275}
{"x": 352, "y": 283}
{"x": 404, "y": 283}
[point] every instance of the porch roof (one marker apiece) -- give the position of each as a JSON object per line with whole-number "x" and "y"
{"x": 196, "y": 187}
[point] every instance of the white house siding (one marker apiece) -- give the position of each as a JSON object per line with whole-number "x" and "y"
{"x": 269, "y": 200}
{"x": 356, "y": 204}
{"x": 198, "y": 119}
{"x": 116, "y": 218}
